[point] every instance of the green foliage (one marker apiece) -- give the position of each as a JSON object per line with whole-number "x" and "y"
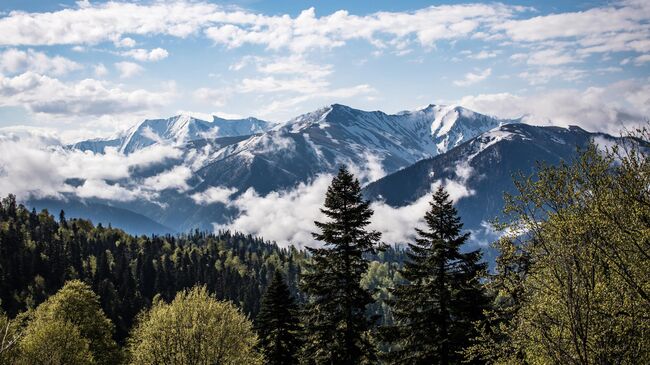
{"x": 435, "y": 309}
{"x": 11, "y": 332}
{"x": 277, "y": 324}
{"x": 336, "y": 326}
{"x": 38, "y": 255}
{"x": 54, "y": 342}
{"x": 195, "y": 328}
{"x": 77, "y": 305}
{"x": 574, "y": 289}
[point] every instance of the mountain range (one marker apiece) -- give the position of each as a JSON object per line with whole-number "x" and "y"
{"x": 397, "y": 156}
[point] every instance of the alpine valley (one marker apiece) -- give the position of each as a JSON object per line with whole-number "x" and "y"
{"x": 396, "y": 156}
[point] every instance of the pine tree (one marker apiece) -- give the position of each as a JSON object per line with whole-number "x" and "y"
{"x": 277, "y": 324}
{"x": 435, "y": 309}
{"x": 335, "y": 322}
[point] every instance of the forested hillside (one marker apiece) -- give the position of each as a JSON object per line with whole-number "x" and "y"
{"x": 39, "y": 253}
{"x": 571, "y": 284}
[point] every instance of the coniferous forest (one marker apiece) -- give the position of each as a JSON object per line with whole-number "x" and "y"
{"x": 571, "y": 283}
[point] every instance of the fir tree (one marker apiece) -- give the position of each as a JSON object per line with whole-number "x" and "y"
{"x": 435, "y": 309}
{"x": 277, "y": 324}
{"x": 335, "y": 322}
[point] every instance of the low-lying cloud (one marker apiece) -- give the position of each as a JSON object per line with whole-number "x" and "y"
{"x": 36, "y": 165}
{"x": 287, "y": 217}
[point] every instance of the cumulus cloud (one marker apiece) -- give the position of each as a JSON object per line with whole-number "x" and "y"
{"x": 14, "y": 61}
{"x": 288, "y": 104}
{"x": 100, "y": 70}
{"x": 98, "y": 22}
{"x": 616, "y": 27}
{"x": 472, "y": 78}
{"x": 290, "y": 81}
{"x": 288, "y": 216}
{"x": 43, "y": 94}
{"x": 213, "y": 194}
{"x": 100, "y": 189}
{"x": 144, "y": 55}
{"x": 125, "y": 42}
{"x": 215, "y": 97}
{"x": 542, "y": 75}
{"x": 620, "y": 26}
{"x": 483, "y": 55}
{"x": 34, "y": 164}
{"x": 128, "y": 69}
{"x": 608, "y": 108}
{"x": 174, "y": 178}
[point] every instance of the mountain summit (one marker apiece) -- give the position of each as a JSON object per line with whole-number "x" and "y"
{"x": 178, "y": 129}
{"x": 250, "y": 153}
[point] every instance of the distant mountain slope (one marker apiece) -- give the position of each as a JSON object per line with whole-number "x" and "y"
{"x": 249, "y": 153}
{"x": 322, "y": 140}
{"x": 127, "y": 220}
{"x": 175, "y": 130}
{"x": 485, "y": 165}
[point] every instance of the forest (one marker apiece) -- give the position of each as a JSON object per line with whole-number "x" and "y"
{"x": 571, "y": 283}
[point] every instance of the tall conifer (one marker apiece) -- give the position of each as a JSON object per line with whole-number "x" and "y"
{"x": 435, "y": 309}
{"x": 335, "y": 315}
{"x": 277, "y": 325}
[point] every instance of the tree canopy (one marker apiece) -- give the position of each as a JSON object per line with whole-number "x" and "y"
{"x": 195, "y": 328}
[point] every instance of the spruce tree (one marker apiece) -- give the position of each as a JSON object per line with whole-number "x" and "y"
{"x": 335, "y": 320}
{"x": 434, "y": 310}
{"x": 277, "y": 324}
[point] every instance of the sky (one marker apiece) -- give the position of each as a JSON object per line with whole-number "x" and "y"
{"x": 91, "y": 68}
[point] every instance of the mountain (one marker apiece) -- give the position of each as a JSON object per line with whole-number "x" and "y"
{"x": 485, "y": 166}
{"x": 250, "y": 153}
{"x": 101, "y": 213}
{"x": 321, "y": 141}
{"x": 176, "y": 130}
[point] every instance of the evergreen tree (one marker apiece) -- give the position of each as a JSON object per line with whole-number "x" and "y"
{"x": 277, "y": 324}
{"x": 335, "y": 322}
{"x": 435, "y": 309}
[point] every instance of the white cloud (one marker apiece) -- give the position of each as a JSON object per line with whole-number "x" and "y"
{"x": 641, "y": 60}
{"x": 371, "y": 170}
{"x": 102, "y": 190}
{"x": 608, "y": 108}
{"x": 286, "y": 217}
{"x": 144, "y": 55}
{"x": 128, "y": 69}
{"x": 174, "y": 178}
{"x": 46, "y": 95}
{"x": 125, "y": 42}
{"x": 14, "y": 61}
{"x": 482, "y": 55}
{"x": 290, "y": 104}
{"x": 216, "y": 97}
{"x": 550, "y": 57}
{"x": 271, "y": 84}
{"x": 616, "y": 27}
{"x": 94, "y": 23}
{"x": 596, "y": 29}
{"x": 100, "y": 70}
{"x": 213, "y": 194}
{"x": 35, "y": 164}
{"x": 472, "y": 78}
{"x": 100, "y": 22}
{"x": 543, "y": 75}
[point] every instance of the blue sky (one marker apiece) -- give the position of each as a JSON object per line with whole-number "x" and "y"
{"x": 83, "y": 69}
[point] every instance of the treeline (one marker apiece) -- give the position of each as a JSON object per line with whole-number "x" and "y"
{"x": 38, "y": 254}
{"x": 571, "y": 284}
